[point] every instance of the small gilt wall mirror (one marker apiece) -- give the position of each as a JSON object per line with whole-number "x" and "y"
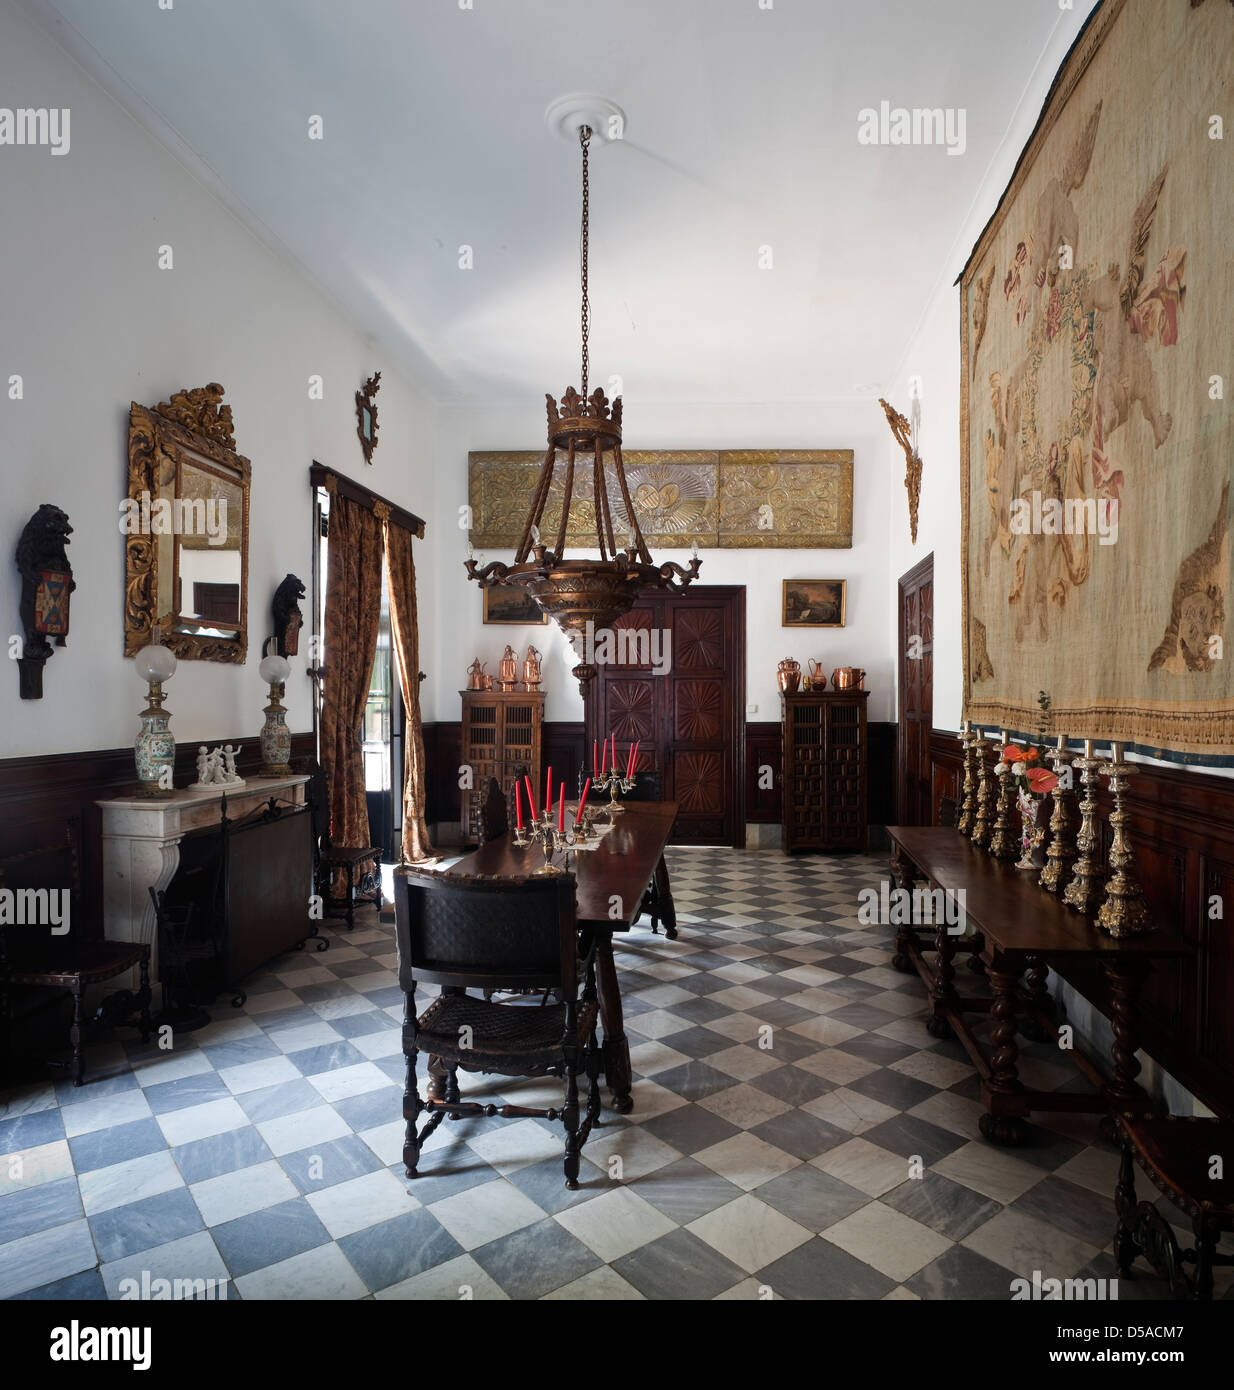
{"x": 186, "y": 528}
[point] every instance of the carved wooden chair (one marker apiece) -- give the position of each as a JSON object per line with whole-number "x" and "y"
{"x": 490, "y": 812}
{"x": 495, "y": 934}
{"x": 658, "y": 899}
{"x": 1177, "y": 1154}
{"x": 363, "y": 885}
{"x": 32, "y": 957}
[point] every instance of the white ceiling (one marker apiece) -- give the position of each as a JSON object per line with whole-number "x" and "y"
{"x": 742, "y": 132}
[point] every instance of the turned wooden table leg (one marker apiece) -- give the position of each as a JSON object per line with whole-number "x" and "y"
{"x": 942, "y": 992}
{"x": 902, "y": 873}
{"x": 616, "y": 1048}
{"x": 1000, "y": 1125}
{"x": 1123, "y": 1090}
{"x": 1035, "y": 993}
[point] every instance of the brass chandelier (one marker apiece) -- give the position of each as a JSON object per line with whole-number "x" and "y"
{"x": 588, "y": 594}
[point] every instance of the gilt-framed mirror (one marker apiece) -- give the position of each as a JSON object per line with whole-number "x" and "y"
{"x": 186, "y": 529}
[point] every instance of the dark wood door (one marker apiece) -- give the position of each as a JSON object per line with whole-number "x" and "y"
{"x": 916, "y": 702}
{"x": 689, "y": 714}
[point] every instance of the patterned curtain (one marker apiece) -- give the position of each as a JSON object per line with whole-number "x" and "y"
{"x": 353, "y": 612}
{"x": 406, "y": 630}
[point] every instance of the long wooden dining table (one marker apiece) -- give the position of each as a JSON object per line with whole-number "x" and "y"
{"x": 611, "y": 881}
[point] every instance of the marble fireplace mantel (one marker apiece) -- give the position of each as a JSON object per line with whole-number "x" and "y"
{"x": 141, "y": 848}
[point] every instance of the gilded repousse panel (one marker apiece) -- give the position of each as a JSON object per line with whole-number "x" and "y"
{"x": 721, "y": 499}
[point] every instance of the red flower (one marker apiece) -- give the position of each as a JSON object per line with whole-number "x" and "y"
{"x": 1014, "y": 754}
{"x": 1041, "y": 780}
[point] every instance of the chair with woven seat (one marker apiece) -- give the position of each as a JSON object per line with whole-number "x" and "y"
{"x": 490, "y": 812}
{"x": 492, "y": 933}
{"x": 330, "y": 859}
{"x": 1176, "y": 1153}
{"x": 31, "y": 956}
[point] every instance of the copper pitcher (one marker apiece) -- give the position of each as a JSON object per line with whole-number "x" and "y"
{"x": 507, "y": 670}
{"x": 475, "y": 675}
{"x": 531, "y": 669}
{"x": 788, "y": 675}
{"x": 817, "y": 678}
{"x": 848, "y": 678}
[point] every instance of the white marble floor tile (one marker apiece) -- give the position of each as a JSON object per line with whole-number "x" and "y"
{"x": 247, "y": 1190}
{"x": 614, "y": 1224}
{"x": 749, "y": 1232}
{"x": 361, "y": 1202}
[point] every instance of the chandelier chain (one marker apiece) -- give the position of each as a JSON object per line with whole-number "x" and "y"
{"x": 584, "y": 136}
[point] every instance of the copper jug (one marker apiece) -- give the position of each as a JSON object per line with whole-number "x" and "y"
{"x": 788, "y": 675}
{"x": 475, "y": 675}
{"x": 507, "y": 670}
{"x": 848, "y": 678}
{"x": 818, "y": 679}
{"x": 531, "y": 669}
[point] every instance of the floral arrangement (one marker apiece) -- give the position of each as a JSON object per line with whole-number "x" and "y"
{"x": 1033, "y": 781}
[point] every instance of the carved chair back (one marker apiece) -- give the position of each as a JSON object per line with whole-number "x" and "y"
{"x": 648, "y": 786}
{"x": 490, "y": 812}
{"x": 489, "y": 933}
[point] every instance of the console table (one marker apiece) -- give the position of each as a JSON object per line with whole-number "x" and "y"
{"x": 141, "y": 847}
{"x": 1020, "y": 930}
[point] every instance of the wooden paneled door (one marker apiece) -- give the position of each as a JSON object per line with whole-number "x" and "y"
{"x": 691, "y": 716}
{"x": 916, "y": 702}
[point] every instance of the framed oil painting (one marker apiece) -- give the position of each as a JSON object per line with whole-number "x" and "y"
{"x": 511, "y": 606}
{"x": 814, "y": 602}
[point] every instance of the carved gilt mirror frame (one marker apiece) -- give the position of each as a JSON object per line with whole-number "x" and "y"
{"x": 187, "y": 529}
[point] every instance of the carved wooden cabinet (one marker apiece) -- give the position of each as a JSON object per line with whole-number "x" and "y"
{"x": 824, "y": 753}
{"x": 502, "y": 734}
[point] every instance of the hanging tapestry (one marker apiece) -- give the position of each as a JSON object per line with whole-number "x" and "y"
{"x": 1097, "y": 433}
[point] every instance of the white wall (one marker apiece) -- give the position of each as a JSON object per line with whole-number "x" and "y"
{"x": 856, "y": 425}
{"x": 90, "y": 324}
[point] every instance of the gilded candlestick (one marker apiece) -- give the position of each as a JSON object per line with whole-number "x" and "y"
{"x": 983, "y": 815}
{"x": 1003, "y": 837}
{"x": 1088, "y": 874}
{"x": 968, "y": 806}
{"x": 1124, "y": 911}
{"x": 1062, "y": 851}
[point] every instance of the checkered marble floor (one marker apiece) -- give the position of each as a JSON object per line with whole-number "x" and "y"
{"x": 795, "y": 1128}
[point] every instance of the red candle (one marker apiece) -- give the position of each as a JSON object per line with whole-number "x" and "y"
{"x": 633, "y": 756}
{"x": 582, "y": 801}
{"x": 531, "y": 800}
{"x": 548, "y": 793}
{"x": 561, "y": 810}
{"x": 518, "y": 806}
{"x": 604, "y": 759}
{"x": 614, "y": 755}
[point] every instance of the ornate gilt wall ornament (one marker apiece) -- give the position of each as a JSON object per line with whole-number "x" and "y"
{"x": 729, "y": 499}
{"x": 201, "y": 410}
{"x": 903, "y": 433}
{"x": 366, "y": 415}
{"x": 188, "y": 497}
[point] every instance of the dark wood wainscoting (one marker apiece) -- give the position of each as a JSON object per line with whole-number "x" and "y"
{"x": 763, "y": 750}
{"x": 40, "y": 795}
{"x": 1183, "y": 830}
{"x": 443, "y": 754}
{"x": 564, "y": 743}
